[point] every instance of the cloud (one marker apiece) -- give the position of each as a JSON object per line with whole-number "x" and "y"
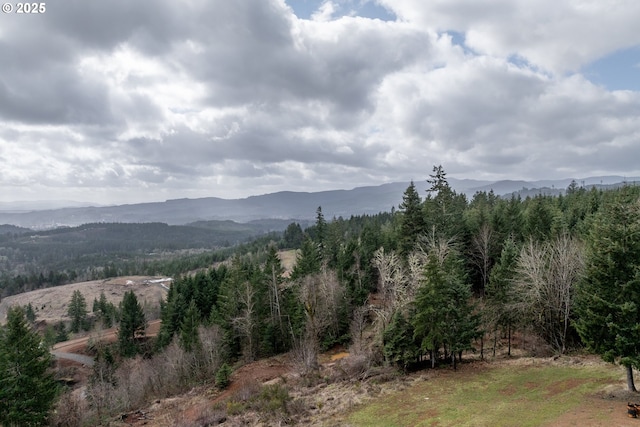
{"x": 149, "y": 100}
{"x": 557, "y": 36}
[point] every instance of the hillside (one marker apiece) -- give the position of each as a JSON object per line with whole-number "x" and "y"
{"x": 51, "y": 304}
{"x": 77, "y": 251}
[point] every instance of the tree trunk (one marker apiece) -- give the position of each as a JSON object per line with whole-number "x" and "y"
{"x": 509, "y": 339}
{"x": 495, "y": 340}
{"x": 630, "y": 385}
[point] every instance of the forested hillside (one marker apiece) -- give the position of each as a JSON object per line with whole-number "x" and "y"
{"x": 417, "y": 287}
{"x": 439, "y": 276}
{"x": 34, "y": 259}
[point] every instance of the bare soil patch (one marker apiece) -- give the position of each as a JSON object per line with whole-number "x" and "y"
{"x": 51, "y": 304}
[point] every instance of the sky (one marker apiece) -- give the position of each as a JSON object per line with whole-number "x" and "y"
{"x": 135, "y": 101}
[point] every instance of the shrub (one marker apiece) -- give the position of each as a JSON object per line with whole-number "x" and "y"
{"x": 274, "y": 398}
{"x": 69, "y": 411}
{"x": 223, "y": 376}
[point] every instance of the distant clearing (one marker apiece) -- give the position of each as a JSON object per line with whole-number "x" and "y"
{"x": 523, "y": 392}
{"x": 288, "y": 259}
{"x": 51, "y": 304}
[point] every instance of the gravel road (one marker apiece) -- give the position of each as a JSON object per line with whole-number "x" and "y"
{"x": 85, "y": 360}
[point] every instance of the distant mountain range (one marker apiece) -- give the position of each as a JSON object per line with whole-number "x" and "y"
{"x": 281, "y": 205}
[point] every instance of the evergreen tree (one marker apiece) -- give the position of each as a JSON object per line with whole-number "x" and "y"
{"x": 105, "y": 310}
{"x": 228, "y": 304}
{"x": 320, "y": 231}
{"x": 499, "y": 292}
{"x": 444, "y": 314}
{"x": 77, "y": 311}
{"x": 444, "y": 208}
{"x": 27, "y": 386}
{"x": 309, "y": 260}
{"x": 223, "y": 376}
{"x": 539, "y": 218}
{"x": 61, "y": 332}
{"x": 400, "y": 347}
{"x": 171, "y": 315}
{"x": 132, "y": 324}
{"x": 411, "y": 220}
{"x": 30, "y": 314}
{"x": 608, "y": 297}
{"x": 293, "y": 236}
{"x": 275, "y": 330}
{"x": 189, "y": 339}
{"x": 507, "y": 219}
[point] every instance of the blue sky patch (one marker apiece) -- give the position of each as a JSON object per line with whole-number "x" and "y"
{"x": 617, "y": 71}
{"x": 364, "y": 8}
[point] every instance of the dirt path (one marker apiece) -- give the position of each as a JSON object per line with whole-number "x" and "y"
{"x": 85, "y": 360}
{"x": 78, "y": 345}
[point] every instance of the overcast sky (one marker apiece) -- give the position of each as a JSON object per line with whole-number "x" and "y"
{"x": 126, "y": 101}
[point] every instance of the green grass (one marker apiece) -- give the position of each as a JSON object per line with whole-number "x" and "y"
{"x": 495, "y": 396}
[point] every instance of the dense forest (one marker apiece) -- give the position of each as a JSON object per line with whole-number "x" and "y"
{"x": 437, "y": 276}
{"x": 415, "y": 287}
{"x": 440, "y": 276}
{"x": 35, "y": 259}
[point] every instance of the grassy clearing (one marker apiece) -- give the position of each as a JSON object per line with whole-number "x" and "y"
{"x": 494, "y": 395}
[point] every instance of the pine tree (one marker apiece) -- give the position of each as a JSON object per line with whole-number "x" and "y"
{"x": 189, "y": 339}
{"x": 293, "y": 236}
{"x": 499, "y": 292}
{"x": 400, "y": 347}
{"x": 539, "y": 218}
{"x": 27, "y": 386}
{"x": 411, "y": 220}
{"x": 320, "y": 231}
{"x": 105, "y": 310}
{"x": 171, "y": 313}
{"x": 309, "y": 260}
{"x": 608, "y": 297}
{"x": 444, "y": 208}
{"x": 444, "y": 314}
{"x": 77, "y": 311}
{"x": 132, "y": 324}
{"x": 30, "y": 314}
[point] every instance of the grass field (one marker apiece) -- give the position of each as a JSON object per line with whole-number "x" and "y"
{"x": 500, "y": 394}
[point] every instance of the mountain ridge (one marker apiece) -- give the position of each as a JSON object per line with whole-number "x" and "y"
{"x": 292, "y": 205}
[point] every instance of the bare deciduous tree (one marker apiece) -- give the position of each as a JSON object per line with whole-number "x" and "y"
{"x": 274, "y": 297}
{"x": 544, "y": 285}
{"x": 357, "y": 328}
{"x": 396, "y": 286}
{"x": 481, "y": 252}
{"x": 246, "y": 322}
{"x": 321, "y": 295}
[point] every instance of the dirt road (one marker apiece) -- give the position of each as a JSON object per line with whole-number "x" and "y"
{"x": 74, "y": 349}
{"x": 85, "y": 360}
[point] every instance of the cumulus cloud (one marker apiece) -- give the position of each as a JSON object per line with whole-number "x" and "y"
{"x": 125, "y": 102}
{"x": 557, "y": 36}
